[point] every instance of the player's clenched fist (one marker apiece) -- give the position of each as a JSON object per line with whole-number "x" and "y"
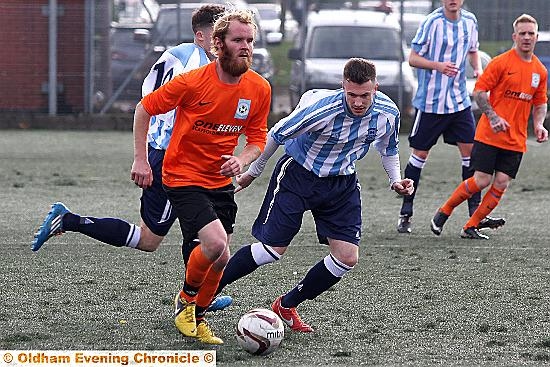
{"x": 403, "y": 187}
{"x": 142, "y": 174}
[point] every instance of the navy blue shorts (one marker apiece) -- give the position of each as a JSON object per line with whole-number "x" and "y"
{"x": 196, "y": 207}
{"x": 335, "y": 203}
{"x": 457, "y": 127}
{"x": 156, "y": 211}
{"x": 488, "y": 159}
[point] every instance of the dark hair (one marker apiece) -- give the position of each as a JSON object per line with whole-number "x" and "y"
{"x": 358, "y": 70}
{"x": 205, "y": 16}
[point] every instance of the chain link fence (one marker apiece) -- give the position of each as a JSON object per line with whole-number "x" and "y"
{"x": 90, "y": 56}
{"x": 495, "y": 17}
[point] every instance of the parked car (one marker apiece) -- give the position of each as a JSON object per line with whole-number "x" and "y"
{"x": 333, "y": 36}
{"x": 423, "y": 7}
{"x": 172, "y": 26}
{"x": 134, "y": 12}
{"x": 414, "y": 12}
{"x": 127, "y": 51}
{"x": 270, "y": 21}
{"x": 542, "y": 50}
{"x": 234, "y": 3}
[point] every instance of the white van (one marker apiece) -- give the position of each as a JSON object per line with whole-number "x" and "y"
{"x": 334, "y": 36}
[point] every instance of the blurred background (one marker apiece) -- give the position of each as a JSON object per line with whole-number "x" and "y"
{"x": 87, "y": 58}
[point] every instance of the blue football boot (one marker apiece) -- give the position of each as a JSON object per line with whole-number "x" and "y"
{"x": 52, "y": 225}
{"x": 219, "y": 303}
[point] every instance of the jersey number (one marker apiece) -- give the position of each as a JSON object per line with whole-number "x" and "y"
{"x": 161, "y": 78}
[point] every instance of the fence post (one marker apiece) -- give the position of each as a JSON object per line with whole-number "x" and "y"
{"x": 52, "y": 58}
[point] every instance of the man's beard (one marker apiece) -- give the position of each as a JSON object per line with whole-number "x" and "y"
{"x": 234, "y": 66}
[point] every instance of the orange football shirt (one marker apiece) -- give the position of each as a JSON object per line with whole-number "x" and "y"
{"x": 210, "y": 117}
{"x": 515, "y": 85}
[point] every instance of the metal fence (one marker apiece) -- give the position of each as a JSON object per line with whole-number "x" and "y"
{"x": 495, "y": 17}
{"x": 87, "y": 56}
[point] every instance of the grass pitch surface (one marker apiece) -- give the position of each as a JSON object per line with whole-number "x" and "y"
{"x": 413, "y": 299}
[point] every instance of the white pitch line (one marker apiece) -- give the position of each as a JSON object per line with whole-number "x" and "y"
{"x": 467, "y": 247}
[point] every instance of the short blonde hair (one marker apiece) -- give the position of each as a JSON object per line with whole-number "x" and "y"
{"x": 525, "y": 18}
{"x": 221, "y": 26}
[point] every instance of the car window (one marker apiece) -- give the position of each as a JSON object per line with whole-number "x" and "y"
{"x": 339, "y": 42}
{"x": 166, "y": 27}
{"x": 268, "y": 13}
{"x": 165, "y": 30}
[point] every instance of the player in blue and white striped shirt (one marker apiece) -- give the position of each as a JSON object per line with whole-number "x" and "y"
{"x": 444, "y": 42}
{"x": 176, "y": 60}
{"x": 323, "y": 138}
{"x": 156, "y": 211}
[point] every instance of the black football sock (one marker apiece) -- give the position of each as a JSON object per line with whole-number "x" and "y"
{"x": 247, "y": 259}
{"x": 112, "y": 231}
{"x": 475, "y": 199}
{"x": 318, "y": 279}
{"x": 413, "y": 173}
{"x": 240, "y": 264}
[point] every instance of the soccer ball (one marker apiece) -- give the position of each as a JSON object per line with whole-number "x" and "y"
{"x": 260, "y": 331}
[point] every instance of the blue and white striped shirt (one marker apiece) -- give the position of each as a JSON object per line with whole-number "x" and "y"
{"x": 176, "y": 60}
{"x": 440, "y": 39}
{"x": 324, "y": 137}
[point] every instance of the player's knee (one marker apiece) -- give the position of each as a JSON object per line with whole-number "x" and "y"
{"x": 222, "y": 261}
{"x": 149, "y": 244}
{"x": 345, "y": 252}
{"x": 214, "y": 249}
{"x": 422, "y": 154}
{"x": 348, "y": 258}
{"x": 501, "y": 183}
{"x": 483, "y": 181}
{"x": 148, "y": 241}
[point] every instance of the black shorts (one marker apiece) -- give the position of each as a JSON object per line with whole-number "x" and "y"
{"x": 489, "y": 159}
{"x": 457, "y": 127}
{"x": 196, "y": 207}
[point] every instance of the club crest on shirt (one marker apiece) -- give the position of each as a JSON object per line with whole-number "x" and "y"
{"x": 371, "y": 135}
{"x": 243, "y": 107}
{"x": 334, "y": 136}
{"x": 535, "y": 80}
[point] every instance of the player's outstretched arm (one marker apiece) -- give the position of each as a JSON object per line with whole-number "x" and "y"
{"x": 234, "y": 165}
{"x": 257, "y": 167}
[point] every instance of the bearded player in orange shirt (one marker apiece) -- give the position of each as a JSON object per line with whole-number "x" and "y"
{"x": 516, "y": 81}
{"x": 215, "y": 104}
